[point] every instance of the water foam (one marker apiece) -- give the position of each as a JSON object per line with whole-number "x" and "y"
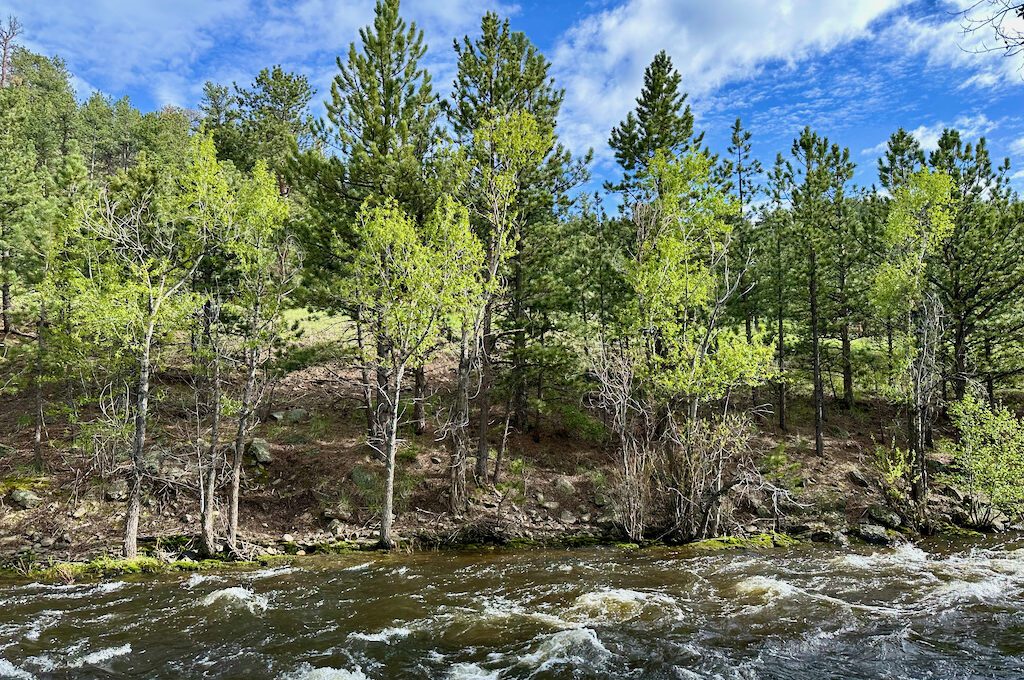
{"x": 619, "y": 604}
{"x": 385, "y": 636}
{"x": 308, "y": 672}
{"x": 470, "y": 671}
{"x": 575, "y": 646}
{"x": 100, "y": 656}
{"x": 9, "y": 670}
{"x": 237, "y": 597}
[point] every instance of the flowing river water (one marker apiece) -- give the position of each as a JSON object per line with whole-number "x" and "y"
{"x": 935, "y": 611}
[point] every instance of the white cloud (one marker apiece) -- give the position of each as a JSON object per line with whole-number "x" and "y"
{"x": 1017, "y": 147}
{"x": 600, "y": 61}
{"x": 970, "y": 128}
{"x": 170, "y": 48}
{"x": 948, "y": 43}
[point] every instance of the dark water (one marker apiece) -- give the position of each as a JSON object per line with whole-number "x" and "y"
{"x": 938, "y": 612}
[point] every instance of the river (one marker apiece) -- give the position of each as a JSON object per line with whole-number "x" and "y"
{"x": 933, "y": 611}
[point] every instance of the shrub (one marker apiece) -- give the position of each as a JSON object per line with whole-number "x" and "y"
{"x": 988, "y": 459}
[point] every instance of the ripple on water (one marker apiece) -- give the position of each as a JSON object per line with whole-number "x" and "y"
{"x": 100, "y": 656}
{"x": 573, "y": 647}
{"x": 618, "y": 605}
{"x": 9, "y": 670}
{"x": 470, "y": 671}
{"x": 385, "y": 636}
{"x": 237, "y": 597}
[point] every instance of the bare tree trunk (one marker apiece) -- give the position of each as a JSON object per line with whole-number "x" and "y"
{"x": 208, "y": 538}
{"x": 37, "y": 439}
{"x": 419, "y": 408}
{"x": 5, "y": 311}
{"x": 387, "y": 541}
{"x": 134, "y": 510}
{"x": 819, "y": 393}
{"x": 520, "y": 415}
{"x": 372, "y": 433}
{"x": 483, "y": 451}
{"x": 459, "y": 429}
{"x": 501, "y": 449}
{"x": 245, "y": 414}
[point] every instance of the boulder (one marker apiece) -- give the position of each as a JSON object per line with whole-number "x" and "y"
{"x": 117, "y": 491}
{"x": 24, "y": 499}
{"x": 259, "y": 450}
{"x": 874, "y": 534}
{"x": 566, "y": 517}
{"x": 336, "y": 527}
{"x": 296, "y": 415}
{"x": 564, "y": 486}
{"x": 601, "y": 500}
{"x": 287, "y": 538}
{"x": 857, "y": 478}
{"x": 884, "y": 516}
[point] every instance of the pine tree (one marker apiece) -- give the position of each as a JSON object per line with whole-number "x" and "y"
{"x": 662, "y": 121}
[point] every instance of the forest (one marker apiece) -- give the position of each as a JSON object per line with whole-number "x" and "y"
{"x": 411, "y": 321}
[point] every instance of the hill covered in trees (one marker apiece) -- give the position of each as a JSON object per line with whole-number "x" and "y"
{"x": 252, "y": 326}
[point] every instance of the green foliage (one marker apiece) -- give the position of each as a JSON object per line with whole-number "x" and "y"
{"x": 989, "y": 459}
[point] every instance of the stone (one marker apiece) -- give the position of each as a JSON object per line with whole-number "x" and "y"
{"x": 338, "y": 511}
{"x": 277, "y": 415}
{"x": 336, "y": 527}
{"x": 287, "y": 538}
{"x": 601, "y": 500}
{"x": 550, "y": 505}
{"x": 79, "y": 512}
{"x": 857, "y": 477}
{"x": 24, "y": 499}
{"x": 540, "y": 498}
{"x": 117, "y": 491}
{"x": 566, "y": 517}
{"x": 296, "y": 415}
{"x": 874, "y": 534}
{"x": 47, "y": 542}
{"x": 884, "y": 516}
{"x": 259, "y": 450}
{"x": 564, "y": 486}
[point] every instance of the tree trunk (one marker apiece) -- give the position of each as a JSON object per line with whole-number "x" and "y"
{"x": 246, "y": 411}
{"x": 819, "y": 392}
{"x": 419, "y": 408}
{"x": 520, "y": 415}
{"x": 387, "y": 541}
{"x": 372, "y": 432}
{"x": 208, "y": 538}
{"x": 484, "y": 400}
{"x": 780, "y": 303}
{"x": 459, "y": 429}
{"x": 5, "y": 311}
{"x": 134, "y": 511}
{"x": 847, "y": 351}
{"x": 37, "y": 439}
{"x": 959, "y": 360}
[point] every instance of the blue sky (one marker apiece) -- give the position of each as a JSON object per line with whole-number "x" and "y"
{"x": 853, "y": 69}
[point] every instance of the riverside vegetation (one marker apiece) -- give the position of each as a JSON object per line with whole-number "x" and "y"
{"x": 240, "y": 330}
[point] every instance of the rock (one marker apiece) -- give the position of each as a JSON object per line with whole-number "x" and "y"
{"x": 857, "y": 477}
{"x": 540, "y": 498}
{"x": 287, "y": 538}
{"x": 47, "y": 542}
{"x": 874, "y": 534}
{"x": 585, "y": 518}
{"x": 300, "y": 553}
{"x": 79, "y": 512}
{"x": 567, "y": 517}
{"x": 564, "y": 486}
{"x": 884, "y": 516}
{"x": 436, "y": 460}
{"x": 24, "y": 499}
{"x": 601, "y": 500}
{"x": 188, "y": 519}
{"x": 277, "y": 415}
{"x": 954, "y": 493}
{"x": 117, "y": 491}
{"x": 296, "y": 415}
{"x": 338, "y": 511}
{"x": 259, "y": 450}
{"x": 336, "y": 527}
{"x": 550, "y": 505}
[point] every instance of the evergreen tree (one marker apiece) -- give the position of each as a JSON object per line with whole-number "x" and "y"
{"x": 662, "y": 121}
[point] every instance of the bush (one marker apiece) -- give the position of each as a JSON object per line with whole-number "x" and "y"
{"x": 988, "y": 460}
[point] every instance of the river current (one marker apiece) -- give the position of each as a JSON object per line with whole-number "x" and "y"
{"x": 932, "y": 611}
